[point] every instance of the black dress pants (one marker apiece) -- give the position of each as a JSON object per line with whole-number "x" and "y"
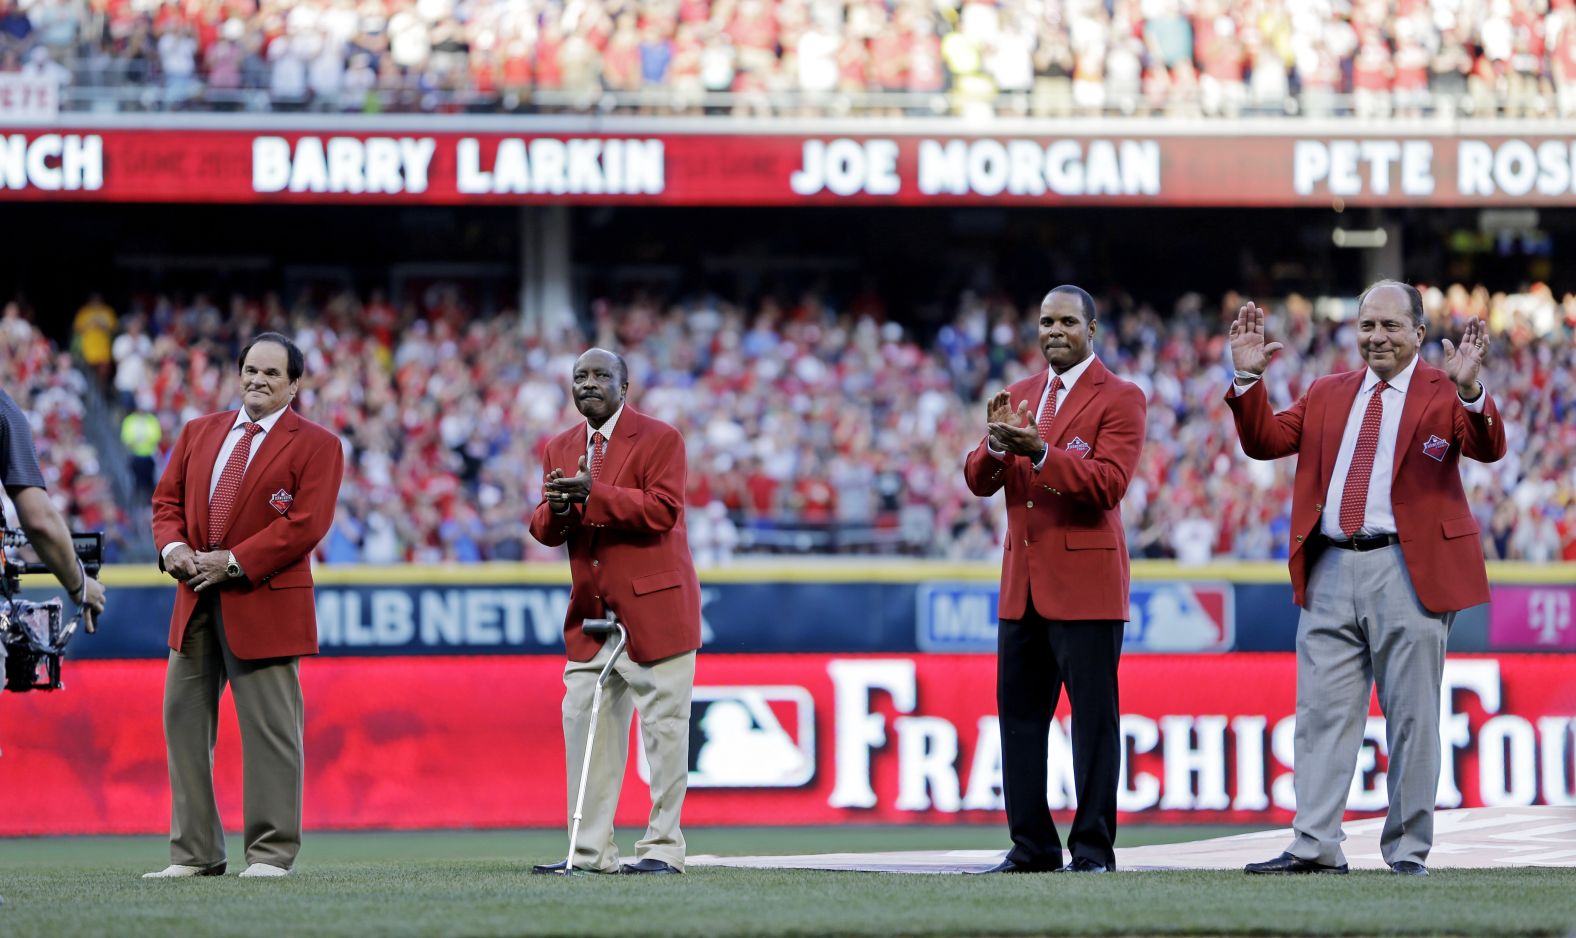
{"x": 1035, "y": 658}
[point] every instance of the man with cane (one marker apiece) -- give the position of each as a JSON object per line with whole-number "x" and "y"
{"x": 614, "y": 492}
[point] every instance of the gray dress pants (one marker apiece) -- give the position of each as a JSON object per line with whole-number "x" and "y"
{"x": 1363, "y": 625}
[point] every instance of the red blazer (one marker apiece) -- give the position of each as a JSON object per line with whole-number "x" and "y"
{"x": 1444, "y": 556}
{"x": 1064, "y": 522}
{"x": 628, "y": 550}
{"x": 270, "y": 612}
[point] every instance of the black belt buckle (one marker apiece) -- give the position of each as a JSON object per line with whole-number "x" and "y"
{"x": 1374, "y": 542}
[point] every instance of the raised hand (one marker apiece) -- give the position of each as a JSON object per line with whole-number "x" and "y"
{"x": 1249, "y": 351}
{"x": 1464, "y": 361}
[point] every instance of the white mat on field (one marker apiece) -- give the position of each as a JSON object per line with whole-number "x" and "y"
{"x": 1474, "y": 837}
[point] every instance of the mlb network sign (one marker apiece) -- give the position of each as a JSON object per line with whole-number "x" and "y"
{"x": 1164, "y": 617}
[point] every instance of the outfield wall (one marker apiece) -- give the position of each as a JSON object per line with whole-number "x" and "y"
{"x": 913, "y": 606}
{"x": 863, "y": 722}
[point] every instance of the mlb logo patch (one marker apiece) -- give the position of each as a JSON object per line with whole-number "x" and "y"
{"x": 281, "y": 501}
{"x": 760, "y": 736}
{"x": 1436, "y": 448}
{"x": 1078, "y": 448}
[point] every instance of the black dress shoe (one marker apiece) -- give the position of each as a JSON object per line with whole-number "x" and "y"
{"x": 1408, "y": 868}
{"x": 652, "y": 866}
{"x": 1012, "y": 866}
{"x": 1286, "y": 863}
{"x": 1086, "y": 865}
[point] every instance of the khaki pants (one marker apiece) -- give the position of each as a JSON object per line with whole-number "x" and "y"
{"x": 271, "y": 712}
{"x": 660, "y": 692}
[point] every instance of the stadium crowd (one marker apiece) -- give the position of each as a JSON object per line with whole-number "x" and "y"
{"x": 45, "y": 381}
{"x": 810, "y": 429}
{"x": 1373, "y": 58}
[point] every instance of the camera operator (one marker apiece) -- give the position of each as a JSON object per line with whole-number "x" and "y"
{"x": 46, "y": 529}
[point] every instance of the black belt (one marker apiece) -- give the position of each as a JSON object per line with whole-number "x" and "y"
{"x": 1366, "y": 543}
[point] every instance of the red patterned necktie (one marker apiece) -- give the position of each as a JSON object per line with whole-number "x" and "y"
{"x": 222, "y": 504}
{"x": 1048, "y": 414}
{"x": 598, "y": 447}
{"x": 1354, "y": 497}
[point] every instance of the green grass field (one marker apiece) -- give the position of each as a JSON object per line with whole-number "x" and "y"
{"x": 478, "y": 884}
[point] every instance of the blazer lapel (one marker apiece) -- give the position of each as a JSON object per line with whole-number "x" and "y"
{"x": 1076, "y": 400}
{"x": 274, "y": 442}
{"x": 1034, "y": 393}
{"x": 1423, "y": 387}
{"x": 204, "y": 455}
{"x": 622, "y": 442}
{"x": 1339, "y": 407}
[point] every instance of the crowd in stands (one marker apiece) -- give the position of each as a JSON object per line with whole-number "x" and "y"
{"x": 44, "y": 380}
{"x": 1373, "y": 58}
{"x": 809, "y": 428}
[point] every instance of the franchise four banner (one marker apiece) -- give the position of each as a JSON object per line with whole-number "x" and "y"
{"x": 718, "y": 168}
{"x": 775, "y": 739}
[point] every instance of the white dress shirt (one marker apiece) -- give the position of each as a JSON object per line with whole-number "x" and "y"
{"x": 1379, "y": 512}
{"x": 1069, "y": 378}
{"x": 607, "y": 436}
{"x": 227, "y": 447}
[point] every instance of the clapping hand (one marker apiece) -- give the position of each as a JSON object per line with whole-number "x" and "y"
{"x": 1249, "y": 351}
{"x": 561, "y": 490}
{"x": 1013, "y": 431}
{"x": 1462, "y": 362}
{"x": 999, "y": 408}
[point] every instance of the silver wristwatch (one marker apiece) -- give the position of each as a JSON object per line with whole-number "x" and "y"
{"x": 232, "y": 569}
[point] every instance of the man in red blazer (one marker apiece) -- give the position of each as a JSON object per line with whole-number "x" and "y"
{"x": 614, "y": 492}
{"x": 1384, "y": 553}
{"x": 1064, "y": 445}
{"x": 245, "y": 498}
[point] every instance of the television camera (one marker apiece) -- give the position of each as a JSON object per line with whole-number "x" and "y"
{"x": 35, "y": 634}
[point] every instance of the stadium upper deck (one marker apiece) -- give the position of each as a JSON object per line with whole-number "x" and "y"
{"x": 1211, "y": 58}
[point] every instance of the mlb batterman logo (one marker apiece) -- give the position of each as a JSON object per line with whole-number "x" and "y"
{"x": 749, "y": 737}
{"x": 281, "y": 501}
